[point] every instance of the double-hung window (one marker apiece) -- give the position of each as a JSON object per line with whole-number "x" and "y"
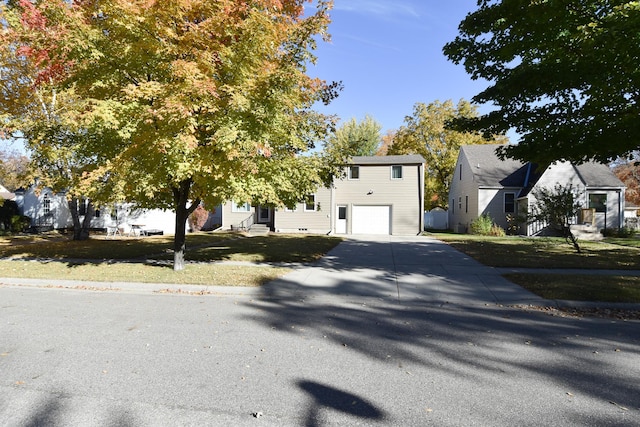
{"x": 354, "y": 172}
{"x": 396, "y": 172}
{"x": 509, "y": 202}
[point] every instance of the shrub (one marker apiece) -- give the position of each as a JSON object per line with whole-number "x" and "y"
{"x": 20, "y": 223}
{"x": 481, "y": 225}
{"x": 198, "y": 218}
{"x": 623, "y": 232}
{"x": 497, "y": 231}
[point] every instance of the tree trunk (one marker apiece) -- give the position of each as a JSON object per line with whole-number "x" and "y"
{"x": 81, "y": 230}
{"x": 75, "y": 217}
{"x": 181, "y": 198}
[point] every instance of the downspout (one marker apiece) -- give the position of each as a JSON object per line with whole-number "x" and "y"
{"x": 620, "y": 211}
{"x": 421, "y": 198}
{"x": 332, "y": 209}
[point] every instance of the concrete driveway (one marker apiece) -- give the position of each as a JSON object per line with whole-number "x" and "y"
{"x": 384, "y": 331}
{"x": 408, "y": 269}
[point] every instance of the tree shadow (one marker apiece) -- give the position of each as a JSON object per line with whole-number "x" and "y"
{"x": 481, "y": 342}
{"x": 327, "y": 397}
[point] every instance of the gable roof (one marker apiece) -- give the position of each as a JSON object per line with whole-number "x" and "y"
{"x": 490, "y": 171}
{"x": 409, "y": 159}
{"x": 598, "y": 175}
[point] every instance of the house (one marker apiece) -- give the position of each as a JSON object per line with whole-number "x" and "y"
{"x": 484, "y": 184}
{"x": 50, "y": 210}
{"x": 378, "y": 195}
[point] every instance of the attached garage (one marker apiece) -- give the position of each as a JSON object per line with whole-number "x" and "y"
{"x": 371, "y": 219}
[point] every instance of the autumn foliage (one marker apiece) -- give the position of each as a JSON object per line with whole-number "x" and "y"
{"x": 173, "y": 102}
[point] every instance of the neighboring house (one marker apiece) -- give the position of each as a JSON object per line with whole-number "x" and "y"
{"x": 632, "y": 216}
{"x": 50, "y": 210}
{"x": 6, "y": 194}
{"x": 378, "y": 195}
{"x": 484, "y": 184}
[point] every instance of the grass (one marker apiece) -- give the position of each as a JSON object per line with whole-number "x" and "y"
{"x": 544, "y": 252}
{"x": 103, "y": 259}
{"x": 555, "y": 253}
{"x": 581, "y": 287}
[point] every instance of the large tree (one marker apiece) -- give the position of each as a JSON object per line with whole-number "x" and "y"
{"x": 425, "y": 133}
{"x": 354, "y": 138}
{"x": 564, "y": 74}
{"x": 34, "y": 110}
{"x": 183, "y": 101}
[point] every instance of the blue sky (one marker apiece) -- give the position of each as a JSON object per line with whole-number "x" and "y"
{"x": 388, "y": 54}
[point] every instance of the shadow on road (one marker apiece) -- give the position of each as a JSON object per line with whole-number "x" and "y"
{"x": 327, "y": 397}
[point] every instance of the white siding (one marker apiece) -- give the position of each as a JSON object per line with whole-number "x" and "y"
{"x": 463, "y": 188}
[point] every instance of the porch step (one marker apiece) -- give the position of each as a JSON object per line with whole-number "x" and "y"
{"x": 258, "y": 230}
{"x": 586, "y": 232}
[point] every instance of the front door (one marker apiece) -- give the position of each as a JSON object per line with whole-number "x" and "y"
{"x": 341, "y": 220}
{"x": 264, "y": 215}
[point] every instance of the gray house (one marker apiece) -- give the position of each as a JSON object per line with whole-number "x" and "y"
{"x": 378, "y": 195}
{"x": 484, "y": 184}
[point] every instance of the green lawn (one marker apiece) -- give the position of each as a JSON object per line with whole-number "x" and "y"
{"x": 102, "y": 259}
{"x": 544, "y": 252}
{"x": 581, "y": 287}
{"x": 555, "y": 253}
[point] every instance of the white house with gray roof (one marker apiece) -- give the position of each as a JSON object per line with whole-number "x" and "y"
{"x": 377, "y": 195}
{"x": 485, "y": 184}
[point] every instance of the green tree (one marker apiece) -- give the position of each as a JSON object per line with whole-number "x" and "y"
{"x": 564, "y": 74}
{"x": 355, "y": 138}
{"x": 185, "y": 101}
{"x": 558, "y": 207}
{"x": 425, "y": 133}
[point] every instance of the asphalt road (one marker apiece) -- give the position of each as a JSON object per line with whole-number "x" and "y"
{"x": 357, "y": 339}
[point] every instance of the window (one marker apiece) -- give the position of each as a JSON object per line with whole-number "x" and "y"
{"x": 354, "y": 172}
{"x": 460, "y": 203}
{"x": 509, "y": 202}
{"x": 310, "y": 203}
{"x": 46, "y": 204}
{"x": 396, "y": 172}
{"x": 598, "y": 202}
{"x": 293, "y": 209}
{"x": 342, "y": 212}
{"x": 466, "y": 204}
{"x": 460, "y": 169}
{"x": 114, "y": 213}
{"x": 246, "y": 207}
{"x": 453, "y": 206}
{"x": 264, "y": 213}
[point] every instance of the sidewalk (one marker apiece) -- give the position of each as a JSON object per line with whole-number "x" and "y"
{"x": 400, "y": 269}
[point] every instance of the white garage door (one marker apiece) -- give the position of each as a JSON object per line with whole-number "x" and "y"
{"x": 371, "y": 220}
